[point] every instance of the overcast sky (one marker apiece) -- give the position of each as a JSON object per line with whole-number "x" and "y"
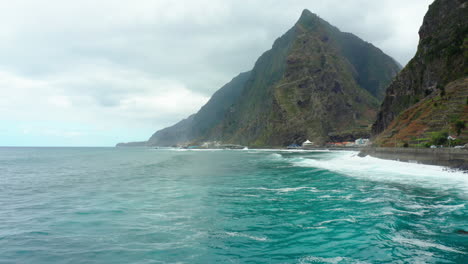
{"x": 98, "y": 72}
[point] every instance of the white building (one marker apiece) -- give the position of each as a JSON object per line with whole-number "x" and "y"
{"x": 307, "y": 144}
{"x": 362, "y": 142}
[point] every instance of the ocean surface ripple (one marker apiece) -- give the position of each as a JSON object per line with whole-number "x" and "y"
{"x": 140, "y": 205}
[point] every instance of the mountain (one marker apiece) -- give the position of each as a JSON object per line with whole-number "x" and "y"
{"x": 310, "y": 85}
{"x": 429, "y": 97}
{"x": 315, "y": 83}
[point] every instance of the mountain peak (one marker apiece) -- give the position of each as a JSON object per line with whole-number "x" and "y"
{"x": 307, "y": 15}
{"x": 306, "y": 12}
{"x": 308, "y": 19}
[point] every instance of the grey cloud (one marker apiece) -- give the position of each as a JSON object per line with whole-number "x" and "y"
{"x": 191, "y": 48}
{"x": 106, "y": 55}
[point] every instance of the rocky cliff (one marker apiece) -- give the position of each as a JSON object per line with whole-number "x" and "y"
{"x": 429, "y": 95}
{"x": 315, "y": 82}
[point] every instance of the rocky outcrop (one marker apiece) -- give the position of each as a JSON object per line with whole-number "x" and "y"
{"x": 441, "y": 58}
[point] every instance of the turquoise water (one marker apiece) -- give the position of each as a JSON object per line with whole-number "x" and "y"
{"x": 115, "y": 205}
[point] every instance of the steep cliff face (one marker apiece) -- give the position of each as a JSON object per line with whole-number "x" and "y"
{"x": 429, "y": 81}
{"x": 315, "y": 82}
{"x": 441, "y": 58}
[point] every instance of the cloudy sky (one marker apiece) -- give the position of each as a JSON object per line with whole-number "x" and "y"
{"x": 98, "y": 72}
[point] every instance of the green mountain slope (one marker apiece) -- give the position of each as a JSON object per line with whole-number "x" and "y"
{"x": 315, "y": 82}
{"x": 309, "y": 85}
{"x": 432, "y": 81}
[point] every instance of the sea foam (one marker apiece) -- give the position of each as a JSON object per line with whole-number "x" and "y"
{"x": 424, "y": 244}
{"x": 283, "y": 190}
{"x": 237, "y": 234}
{"x": 350, "y": 164}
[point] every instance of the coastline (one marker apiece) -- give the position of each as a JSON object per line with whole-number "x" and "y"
{"x": 445, "y": 157}
{"x": 448, "y": 157}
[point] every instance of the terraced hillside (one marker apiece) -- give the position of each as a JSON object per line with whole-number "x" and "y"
{"x": 433, "y": 118}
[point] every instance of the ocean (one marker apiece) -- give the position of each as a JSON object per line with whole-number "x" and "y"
{"x": 142, "y": 205}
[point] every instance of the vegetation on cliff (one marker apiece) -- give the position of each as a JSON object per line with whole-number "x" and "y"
{"x": 432, "y": 120}
{"x": 428, "y": 99}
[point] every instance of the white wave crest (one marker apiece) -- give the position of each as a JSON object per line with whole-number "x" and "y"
{"x": 349, "y": 163}
{"x": 282, "y": 190}
{"x": 275, "y": 156}
{"x": 237, "y": 234}
{"x": 424, "y": 244}
{"x": 334, "y": 260}
{"x": 290, "y": 150}
{"x": 350, "y": 220}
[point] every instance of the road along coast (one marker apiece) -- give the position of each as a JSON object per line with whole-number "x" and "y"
{"x": 450, "y": 157}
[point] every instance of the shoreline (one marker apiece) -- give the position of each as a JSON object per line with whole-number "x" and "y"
{"x": 451, "y": 158}
{"x": 447, "y": 157}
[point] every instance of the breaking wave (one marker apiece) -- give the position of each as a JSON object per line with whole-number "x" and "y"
{"x": 349, "y": 163}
